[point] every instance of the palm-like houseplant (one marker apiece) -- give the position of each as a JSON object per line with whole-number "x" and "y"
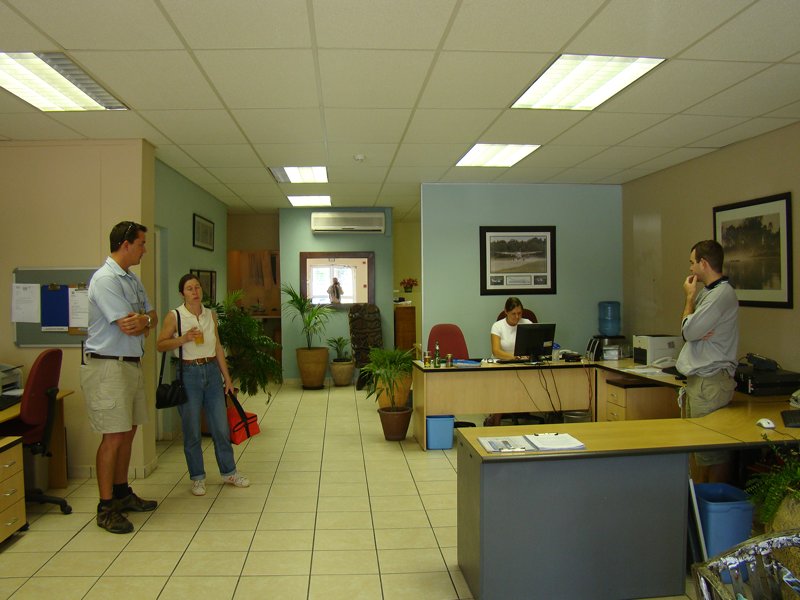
{"x": 249, "y": 351}
{"x": 388, "y": 377}
{"x": 343, "y": 366}
{"x": 311, "y": 361}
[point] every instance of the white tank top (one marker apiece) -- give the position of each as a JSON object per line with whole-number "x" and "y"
{"x": 205, "y": 322}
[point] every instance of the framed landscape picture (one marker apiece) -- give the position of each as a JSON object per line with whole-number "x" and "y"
{"x": 518, "y": 260}
{"x": 756, "y": 236}
{"x": 203, "y": 233}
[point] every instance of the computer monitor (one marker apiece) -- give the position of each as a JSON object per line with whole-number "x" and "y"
{"x": 535, "y": 340}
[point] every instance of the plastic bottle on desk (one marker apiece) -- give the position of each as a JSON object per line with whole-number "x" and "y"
{"x": 436, "y": 358}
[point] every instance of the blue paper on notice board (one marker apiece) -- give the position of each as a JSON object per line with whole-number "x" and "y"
{"x": 55, "y": 308}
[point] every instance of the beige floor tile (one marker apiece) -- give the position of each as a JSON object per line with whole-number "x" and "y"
{"x": 296, "y": 477}
{"x": 63, "y": 588}
{"x": 343, "y": 504}
{"x": 294, "y": 490}
{"x": 211, "y": 564}
{"x": 60, "y": 522}
{"x": 398, "y": 503}
{"x": 256, "y": 490}
{"x": 394, "y": 539}
{"x": 450, "y": 555}
{"x": 446, "y": 537}
{"x": 230, "y": 522}
{"x": 81, "y": 505}
{"x": 126, "y": 588}
{"x": 166, "y": 476}
{"x": 291, "y": 504}
{"x": 344, "y": 539}
{"x": 232, "y": 504}
{"x": 339, "y": 464}
{"x": 343, "y": 477}
{"x": 279, "y": 520}
{"x": 147, "y": 541}
{"x": 283, "y": 587}
{"x": 181, "y": 588}
{"x": 392, "y": 488}
{"x": 196, "y": 505}
{"x": 438, "y": 501}
{"x": 70, "y": 564}
{"x": 257, "y": 466}
{"x": 461, "y": 584}
{"x": 138, "y": 564}
{"x": 22, "y": 564}
{"x": 416, "y": 560}
{"x": 436, "y": 487}
{"x": 299, "y": 465}
{"x": 292, "y": 562}
{"x": 95, "y": 539}
{"x": 442, "y": 517}
{"x": 341, "y": 562}
{"x": 400, "y": 519}
{"x": 343, "y": 489}
{"x": 344, "y": 520}
{"x": 215, "y": 541}
{"x": 285, "y": 539}
{"x": 37, "y": 541}
{"x": 435, "y": 475}
{"x": 431, "y": 586}
{"x": 183, "y": 491}
{"x": 345, "y": 587}
{"x": 9, "y": 585}
{"x": 173, "y": 522}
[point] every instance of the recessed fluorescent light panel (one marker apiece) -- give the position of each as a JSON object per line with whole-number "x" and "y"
{"x": 310, "y": 200}
{"x": 300, "y": 174}
{"x": 52, "y": 82}
{"x": 495, "y": 155}
{"x": 583, "y": 82}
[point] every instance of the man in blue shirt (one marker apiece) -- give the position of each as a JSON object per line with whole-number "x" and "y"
{"x": 710, "y": 327}
{"x": 120, "y": 317}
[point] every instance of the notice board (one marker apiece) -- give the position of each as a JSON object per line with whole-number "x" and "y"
{"x": 57, "y": 282}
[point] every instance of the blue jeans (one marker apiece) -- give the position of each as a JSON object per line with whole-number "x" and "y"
{"x": 204, "y": 390}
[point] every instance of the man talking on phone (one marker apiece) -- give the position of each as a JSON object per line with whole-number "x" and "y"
{"x": 710, "y": 327}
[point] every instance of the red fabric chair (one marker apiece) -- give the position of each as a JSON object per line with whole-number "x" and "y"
{"x": 526, "y": 314}
{"x": 451, "y": 340}
{"x": 35, "y": 421}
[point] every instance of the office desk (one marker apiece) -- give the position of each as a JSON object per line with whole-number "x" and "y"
{"x": 494, "y": 388}
{"x": 608, "y": 521}
{"x": 57, "y": 478}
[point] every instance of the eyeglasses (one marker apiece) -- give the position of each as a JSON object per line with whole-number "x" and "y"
{"x": 131, "y": 225}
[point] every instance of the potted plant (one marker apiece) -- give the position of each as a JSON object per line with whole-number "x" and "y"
{"x": 343, "y": 365}
{"x": 311, "y": 361}
{"x": 249, "y": 352}
{"x": 388, "y": 377}
{"x": 408, "y": 284}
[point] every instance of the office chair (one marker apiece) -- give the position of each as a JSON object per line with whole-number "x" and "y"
{"x": 365, "y": 333}
{"x": 35, "y": 421}
{"x": 526, "y": 314}
{"x": 451, "y": 340}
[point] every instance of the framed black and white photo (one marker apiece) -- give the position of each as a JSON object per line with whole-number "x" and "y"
{"x": 756, "y": 236}
{"x": 203, "y": 233}
{"x": 518, "y": 260}
{"x": 208, "y": 281}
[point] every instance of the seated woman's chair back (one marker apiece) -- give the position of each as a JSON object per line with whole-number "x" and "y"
{"x": 526, "y": 314}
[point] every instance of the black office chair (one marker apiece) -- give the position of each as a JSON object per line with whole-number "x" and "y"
{"x": 35, "y": 421}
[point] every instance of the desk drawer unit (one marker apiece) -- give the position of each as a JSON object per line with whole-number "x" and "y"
{"x": 632, "y": 402}
{"x": 12, "y": 487}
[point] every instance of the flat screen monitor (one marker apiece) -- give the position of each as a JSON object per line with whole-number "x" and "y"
{"x": 535, "y": 340}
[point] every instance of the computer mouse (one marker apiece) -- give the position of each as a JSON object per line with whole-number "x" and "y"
{"x": 765, "y": 423}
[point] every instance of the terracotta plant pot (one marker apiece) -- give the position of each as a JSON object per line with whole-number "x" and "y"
{"x": 401, "y": 396}
{"x": 408, "y": 290}
{"x": 313, "y": 365}
{"x": 395, "y": 423}
{"x": 342, "y": 372}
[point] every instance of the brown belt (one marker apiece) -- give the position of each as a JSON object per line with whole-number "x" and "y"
{"x": 199, "y": 361}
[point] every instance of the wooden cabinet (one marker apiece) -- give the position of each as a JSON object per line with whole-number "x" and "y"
{"x": 630, "y": 399}
{"x": 12, "y": 487}
{"x": 405, "y": 327}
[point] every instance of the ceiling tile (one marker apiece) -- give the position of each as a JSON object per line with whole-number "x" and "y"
{"x": 681, "y": 130}
{"x": 282, "y": 78}
{"x": 230, "y": 175}
{"x": 174, "y": 156}
{"x": 672, "y": 158}
{"x": 528, "y": 174}
{"x": 472, "y": 174}
{"x": 195, "y": 126}
{"x": 377, "y": 126}
{"x": 449, "y": 126}
{"x": 197, "y": 174}
{"x": 481, "y": 79}
{"x": 34, "y": 126}
{"x": 375, "y": 155}
{"x": 416, "y": 174}
{"x": 407, "y": 189}
{"x": 606, "y": 128}
{"x": 414, "y": 24}
{"x": 373, "y": 78}
{"x": 357, "y": 173}
{"x": 523, "y": 126}
{"x": 111, "y": 124}
{"x": 621, "y": 157}
{"x": 746, "y": 130}
{"x": 791, "y": 111}
{"x": 17, "y": 35}
{"x": 257, "y": 190}
{"x": 288, "y": 155}
{"x": 579, "y": 175}
{"x": 9, "y": 103}
{"x": 558, "y": 156}
{"x": 430, "y": 155}
{"x": 281, "y": 125}
{"x": 224, "y": 155}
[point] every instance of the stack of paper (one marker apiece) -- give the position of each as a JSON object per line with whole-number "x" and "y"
{"x": 511, "y": 443}
{"x": 554, "y": 441}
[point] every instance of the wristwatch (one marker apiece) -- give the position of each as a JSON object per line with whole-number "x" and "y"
{"x": 149, "y": 321}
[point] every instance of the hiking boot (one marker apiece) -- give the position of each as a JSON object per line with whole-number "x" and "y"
{"x": 237, "y": 479}
{"x": 132, "y": 503}
{"x": 111, "y": 519}
{"x": 199, "y": 487}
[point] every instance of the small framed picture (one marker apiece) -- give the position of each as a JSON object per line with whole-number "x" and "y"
{"x": 203, "y": 236}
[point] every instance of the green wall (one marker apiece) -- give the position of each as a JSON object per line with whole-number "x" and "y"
{"x": 588, "y": 221}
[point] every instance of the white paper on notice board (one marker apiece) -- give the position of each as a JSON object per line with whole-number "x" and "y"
{"x": 78, "y": 307}
{"x": 25, "y": 303}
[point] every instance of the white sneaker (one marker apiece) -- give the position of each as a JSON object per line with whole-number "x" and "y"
{"x": 199, "y": 487}
{"x": 237, "y": 479}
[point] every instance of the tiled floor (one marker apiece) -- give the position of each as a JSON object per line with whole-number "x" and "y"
{"x": 334, "y": 511}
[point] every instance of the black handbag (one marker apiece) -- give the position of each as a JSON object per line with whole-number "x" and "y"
{"x": 171, "y": 394}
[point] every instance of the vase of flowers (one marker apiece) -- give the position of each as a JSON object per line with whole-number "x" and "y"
{"x": 408, "y": 284}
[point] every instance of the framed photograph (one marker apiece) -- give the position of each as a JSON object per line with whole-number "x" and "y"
{"x": 208, "y": 281}
{"x": 518, "y": 260}
{"x": 203, "y": 233}
{"x": 756, "y": 236}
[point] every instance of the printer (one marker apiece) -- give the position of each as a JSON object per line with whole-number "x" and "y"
{"x": 647, "y": 349}
{"x": 10, "y": 377}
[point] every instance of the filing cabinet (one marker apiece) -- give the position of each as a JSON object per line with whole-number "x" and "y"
{"x": 12, "y": 487}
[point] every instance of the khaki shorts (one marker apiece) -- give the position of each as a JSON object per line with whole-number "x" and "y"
{"x": 705, "y": 395}
{"x": 114, "y": 393}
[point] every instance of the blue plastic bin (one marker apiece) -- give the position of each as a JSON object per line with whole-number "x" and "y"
{"x": 439, "y": 430}
{"x": 726, "y": 515}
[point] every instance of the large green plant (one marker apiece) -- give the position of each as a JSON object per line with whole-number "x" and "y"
{"x": 249, "y": 352}
{"x": 313, "y": 317}
{"x": 385, "y": 371}
{"x": 767, "y": 489}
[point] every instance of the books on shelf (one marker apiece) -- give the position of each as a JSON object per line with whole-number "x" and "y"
{"x": 554, "y": 441}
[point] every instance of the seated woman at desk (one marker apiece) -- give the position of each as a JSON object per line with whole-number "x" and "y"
{"x": 504, "y": 337}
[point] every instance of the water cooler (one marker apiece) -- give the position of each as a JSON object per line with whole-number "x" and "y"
{"x": 609, "y": 345}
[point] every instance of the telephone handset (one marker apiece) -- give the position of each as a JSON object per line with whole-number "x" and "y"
{"x": 665, "y": 362}
{"x": 794, "y": 399}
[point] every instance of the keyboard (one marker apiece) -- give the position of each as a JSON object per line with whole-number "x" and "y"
{"x": 512, "y": 361}
{"x": 791, "y": 418}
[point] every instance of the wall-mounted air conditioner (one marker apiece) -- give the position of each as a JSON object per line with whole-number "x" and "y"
{"x": 348, "y": 222}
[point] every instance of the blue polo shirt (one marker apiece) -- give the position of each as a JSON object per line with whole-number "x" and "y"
{"x": 113, "y": 294}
